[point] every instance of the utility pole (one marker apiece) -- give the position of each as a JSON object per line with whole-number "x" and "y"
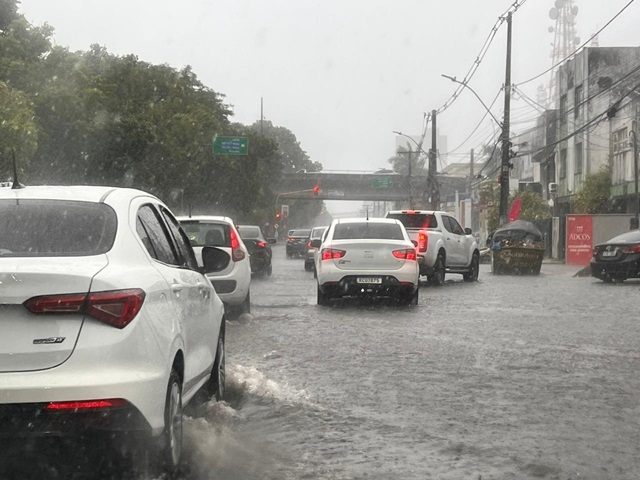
{"x": 261, "y": 115}
{"x": 506, "y": 145}
{"x": 410, "y": 159}
{"x": 635, "y": 222}
{"x": 471, "y": 187}
{"x": 433, "y": 165}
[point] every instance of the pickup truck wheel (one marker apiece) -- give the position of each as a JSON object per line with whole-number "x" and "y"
{"x": 472, "y": 274}
{"x": 437, "y": 278}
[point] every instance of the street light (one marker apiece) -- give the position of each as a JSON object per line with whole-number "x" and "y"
{"x": 464, "y": 84}
{"x": 412, "y": 139}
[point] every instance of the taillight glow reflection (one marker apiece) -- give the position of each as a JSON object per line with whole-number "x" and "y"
{"x": 86, "y": 405}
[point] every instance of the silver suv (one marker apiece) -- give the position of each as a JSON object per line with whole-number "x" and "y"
{"x": 309, "y": 258}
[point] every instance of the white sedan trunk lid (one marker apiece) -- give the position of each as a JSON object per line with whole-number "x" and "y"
{"x": 40, "y": 341}
{"x": 369, "y": 255}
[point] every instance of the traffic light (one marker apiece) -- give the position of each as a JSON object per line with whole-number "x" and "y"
{"x": 316, "y": 190}
{"x": 278, "y": 216}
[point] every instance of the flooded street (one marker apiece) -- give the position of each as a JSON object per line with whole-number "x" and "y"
{"x": 510, "y": 377}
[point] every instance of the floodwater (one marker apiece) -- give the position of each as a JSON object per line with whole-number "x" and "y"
{"x": 506, "y": 378}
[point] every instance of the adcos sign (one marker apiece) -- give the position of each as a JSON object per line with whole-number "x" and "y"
{"x": 579, "y": 239}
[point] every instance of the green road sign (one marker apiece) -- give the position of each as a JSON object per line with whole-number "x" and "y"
{"x": 381, "y": 182}
{"x": 230, "y": 146}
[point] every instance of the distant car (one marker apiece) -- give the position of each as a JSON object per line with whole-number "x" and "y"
{"x": 107, "y": 325}
{"x": 233, "y": 284}
{"x": 617, "y": 259}
{"x": 259, "y": 248}
{"x": 367, "y": 258}
{"x": 309, "y": 261}
{"x": 297, "y": 240}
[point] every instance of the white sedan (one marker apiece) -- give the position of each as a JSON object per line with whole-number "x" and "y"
{"x": 107, "y": 325}
{"x": 362, "y": 257}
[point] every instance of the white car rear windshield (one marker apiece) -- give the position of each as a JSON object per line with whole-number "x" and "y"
{"x": 55, "y": 228}
{"x": 415, "y": 220}
{"x": 202, "y": 233}
{"x": 369, "y": 230}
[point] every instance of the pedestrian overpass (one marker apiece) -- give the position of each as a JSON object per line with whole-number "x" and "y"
{"x": 365, "y": 186}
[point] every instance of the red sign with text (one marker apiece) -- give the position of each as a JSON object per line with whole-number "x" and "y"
{"x": 579, "y": 239}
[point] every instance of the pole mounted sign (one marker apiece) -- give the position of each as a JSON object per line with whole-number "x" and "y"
{"x": 230, "y": 146}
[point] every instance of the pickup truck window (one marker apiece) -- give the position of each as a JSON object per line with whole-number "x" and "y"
{"x": 415, "y": 220}
{"x": 350, "y": 231}
{"x": 452, "y": 225}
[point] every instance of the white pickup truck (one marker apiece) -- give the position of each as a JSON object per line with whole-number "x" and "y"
{"x": 443, "y": 245}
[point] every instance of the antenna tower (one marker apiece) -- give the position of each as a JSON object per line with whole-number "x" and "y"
{"x": 565, "y": 41}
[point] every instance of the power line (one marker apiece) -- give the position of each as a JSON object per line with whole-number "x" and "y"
{"x": 579, "y": 48}
{"x": 483, "y": 52}
{"x": 477, "y": 126}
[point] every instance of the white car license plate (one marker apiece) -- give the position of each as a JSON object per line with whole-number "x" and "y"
{"x": 609, "y": 253}
{"x": 370, "y": 280}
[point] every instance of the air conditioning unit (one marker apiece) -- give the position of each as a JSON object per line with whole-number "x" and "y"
{"x": 553, "y": 187}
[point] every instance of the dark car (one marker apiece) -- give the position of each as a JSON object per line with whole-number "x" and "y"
{"x": 617, "y": 259}
{"x": 259, "y": 248}
{"x": 297, "y": 240}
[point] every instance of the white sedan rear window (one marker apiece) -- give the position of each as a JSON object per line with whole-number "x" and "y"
{"x": 369, "y": 230}
{"x": 55, "y": 228}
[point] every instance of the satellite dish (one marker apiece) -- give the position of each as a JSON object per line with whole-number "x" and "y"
{"x": 551, "y": 29}
{"x": 553, "y": 14}
{"x": 574, "y": 11}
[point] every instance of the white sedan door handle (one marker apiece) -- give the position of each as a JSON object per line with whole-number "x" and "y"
{"x": 176, "y": 287}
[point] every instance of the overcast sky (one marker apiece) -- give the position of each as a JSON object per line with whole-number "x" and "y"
{"x": 341, "y": 74}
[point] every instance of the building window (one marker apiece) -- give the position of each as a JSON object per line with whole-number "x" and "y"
{"x": 577, "y": 159}
{"x": 620, "y": 147}
{"x": 563, "y": 108}
{"x": 578, "y": 99}
{"x": 563, "y": 163}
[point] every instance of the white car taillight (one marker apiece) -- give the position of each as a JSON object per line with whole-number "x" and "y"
{"x": 423, "y": 241}
{"x": 405, "y": 254}
{"x": 332, "y": 253}
{"x": 116, "y": 308}
{"x": 237, "y": 253}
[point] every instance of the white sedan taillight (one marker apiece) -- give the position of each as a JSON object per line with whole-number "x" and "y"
{"x": 332, "y": 253}
{"x": 116, "y": 308}
{"x": 405, "y": 254}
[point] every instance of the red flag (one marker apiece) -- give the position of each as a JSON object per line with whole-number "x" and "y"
{"x": 514, "y": 213}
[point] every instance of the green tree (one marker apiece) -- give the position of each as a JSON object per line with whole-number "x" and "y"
{"x": 595, "y": 195}
{"x": 18, "y": 129}
{"x": 292, "y": 157}
{"x": 533, "y": 207}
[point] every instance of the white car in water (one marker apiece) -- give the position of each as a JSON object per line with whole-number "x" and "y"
{"x": 366, "y": 257}
{"x": 107, "y": 324}
{"x": 233, "y": 284}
